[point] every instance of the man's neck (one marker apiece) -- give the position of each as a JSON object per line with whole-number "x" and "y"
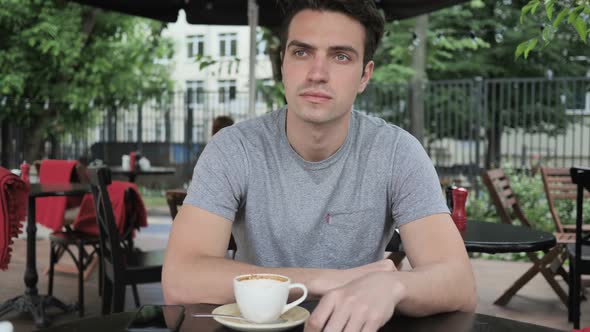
{"x": 316, "y": 142}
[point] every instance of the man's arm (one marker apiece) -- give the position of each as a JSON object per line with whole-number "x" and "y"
{"x": 195, "y": 270}
{"x": 441, "y": 280}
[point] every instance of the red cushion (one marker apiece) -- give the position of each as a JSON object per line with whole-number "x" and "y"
{"x": 13, "y": 209}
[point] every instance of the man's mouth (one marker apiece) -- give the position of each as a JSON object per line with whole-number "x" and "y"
{"x": 316, "y": 97}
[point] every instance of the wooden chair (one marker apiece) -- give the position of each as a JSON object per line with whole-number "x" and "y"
{"x": 579, "y": 252}
{"x": 558, "y": 186}
{"x": 61, "y": 242}
{"x": 175, "y": 198}
{"x": 122, "y": 266}
{"x": 510, "y": 212}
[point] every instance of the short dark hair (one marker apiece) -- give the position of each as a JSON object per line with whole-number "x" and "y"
{"x": 363, "y": 11}
{"x": 221, "y": 122}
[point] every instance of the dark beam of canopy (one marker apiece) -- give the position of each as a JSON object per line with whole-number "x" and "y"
{"x": 234, "y": 12}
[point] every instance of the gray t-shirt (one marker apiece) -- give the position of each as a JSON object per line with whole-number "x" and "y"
{"x": 337, "y": 213}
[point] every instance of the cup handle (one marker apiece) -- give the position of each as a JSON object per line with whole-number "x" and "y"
{"x": 299, "y": 300}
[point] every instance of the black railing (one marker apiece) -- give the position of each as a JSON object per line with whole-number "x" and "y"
{"x": 468, "y": 124}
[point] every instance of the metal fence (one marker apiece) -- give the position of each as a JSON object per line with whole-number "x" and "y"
{"x": 474, "y": 124}
{"x": 468, "y": 124}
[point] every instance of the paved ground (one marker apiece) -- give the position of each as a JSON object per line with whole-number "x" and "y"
{"x": 535, "y": 303}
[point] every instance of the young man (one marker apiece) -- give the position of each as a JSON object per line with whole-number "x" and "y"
{"x": 314, "y": 191}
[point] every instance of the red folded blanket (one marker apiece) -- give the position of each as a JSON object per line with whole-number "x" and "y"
{"x": 14, "y": 195}
{"x": 51, "y": 210}
{"x": 86, "y": 219}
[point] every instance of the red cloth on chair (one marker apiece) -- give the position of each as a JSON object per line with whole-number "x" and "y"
{"x": 50, "y": 210}
{"x": 86, "y": 219}
{"x": 14, "y": 194}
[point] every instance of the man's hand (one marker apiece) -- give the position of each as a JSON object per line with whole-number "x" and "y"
{"x": 364, "y": 304}
{"x": 321, "y": 286}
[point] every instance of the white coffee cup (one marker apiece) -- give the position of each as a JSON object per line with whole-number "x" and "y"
{"x": 262, "y": 297}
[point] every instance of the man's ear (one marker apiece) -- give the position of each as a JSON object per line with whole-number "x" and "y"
{"x": 367, "y": 74}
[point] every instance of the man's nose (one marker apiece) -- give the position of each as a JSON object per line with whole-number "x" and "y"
{"x": 319, "y": 71}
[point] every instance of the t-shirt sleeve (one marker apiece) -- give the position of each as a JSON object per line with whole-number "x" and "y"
{"x": 219, "y": 178}
{"x": 415, "y": 187}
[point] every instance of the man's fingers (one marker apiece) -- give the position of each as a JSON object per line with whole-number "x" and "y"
{"x": 340, "y": 315}
{"x": 321, "y": 314}
{"x": 372, "y": 323}
{"x": 370, "y": 327}
{"x": 356, "y": 321}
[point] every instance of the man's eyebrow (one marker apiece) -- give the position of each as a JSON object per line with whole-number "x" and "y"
{"x": 344, "y": 49}
{"x": 297, "y": 43}
{"x": 341, "y": 48}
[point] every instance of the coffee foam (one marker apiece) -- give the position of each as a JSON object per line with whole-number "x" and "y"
{"x": 263, "y": 277}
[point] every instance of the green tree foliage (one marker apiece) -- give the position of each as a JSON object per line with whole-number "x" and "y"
{"x": 557, "y": 20}
{"x": 446, "y": 43}
{"x": 61, "y": 62}
{"x": 477, "y": 38}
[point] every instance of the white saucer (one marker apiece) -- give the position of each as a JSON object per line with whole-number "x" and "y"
{"x": 293, "y": 317}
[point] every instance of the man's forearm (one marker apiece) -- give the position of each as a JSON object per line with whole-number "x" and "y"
{"x": 209, "y": 279}
{"x": 437, "y": 288}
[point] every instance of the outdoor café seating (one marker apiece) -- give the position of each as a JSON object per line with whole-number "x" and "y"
{"x": 59, "y": 214}
{"x": 13, "y": 209}
{"x": 122, "y": 266}
{"x": 550, "y": 265}
{"x": 559, "y": 187}
{"x": 579, "y": 252}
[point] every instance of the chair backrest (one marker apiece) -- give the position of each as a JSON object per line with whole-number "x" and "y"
{"x": 62, "y": 171}
{"x": 558, "y": 185}
{"x": 503, "y": 197}
{"x": 581, "y": 178}
{"x": 110, "y": 244}
{"x": 175, "y": 198}
{"x": 130, "y": 220}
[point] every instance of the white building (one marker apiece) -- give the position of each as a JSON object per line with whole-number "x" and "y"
{"x": 228, "y": 47}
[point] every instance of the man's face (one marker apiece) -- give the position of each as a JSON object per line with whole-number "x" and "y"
{"x": 323, "y": 66}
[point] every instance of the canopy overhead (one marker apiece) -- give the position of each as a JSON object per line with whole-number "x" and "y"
{"x": 234, "y": 12}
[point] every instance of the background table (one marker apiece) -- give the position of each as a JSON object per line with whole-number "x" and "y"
{"x": 451, "y": 322}
{"x": 492, "y": 238}
{"x": 31, "y": 301}
{"x": 132, "y": 174}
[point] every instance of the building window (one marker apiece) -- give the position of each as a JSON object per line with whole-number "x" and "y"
{"x": 196, "y": 45}
{"x": 195, "y": 92}
{"x": 227, "y": 90}
{"x": 228, "y": 44}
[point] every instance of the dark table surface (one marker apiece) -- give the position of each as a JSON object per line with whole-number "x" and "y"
{"x": 492, "y": 238}
{"x": 61, "y": 189}
{"x": 450, "y": 322}
{"x": 132, "y": 174}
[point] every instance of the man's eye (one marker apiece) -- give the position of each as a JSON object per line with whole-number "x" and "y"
{"x": 299, "y": 53}
{"x": 342, "y": 57}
